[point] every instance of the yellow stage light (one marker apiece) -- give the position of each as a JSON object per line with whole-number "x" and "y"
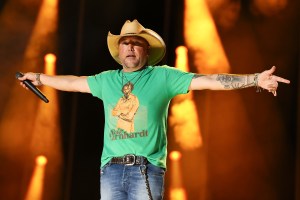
{"x": 35, "y": 189}
{"x": 202, "y": 39}
{"x": 175, "y": 155}
{"x": 184, "y": 114}
{"x": 50, "y": 63}
{"x": 177, "y": 191}
{"x": 41, "y": 160}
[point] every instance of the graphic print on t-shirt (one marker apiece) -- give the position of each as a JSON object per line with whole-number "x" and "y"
{"x": 126, "y": 109}
{"x": 128, "y": 118}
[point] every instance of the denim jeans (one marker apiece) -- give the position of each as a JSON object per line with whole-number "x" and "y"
{"x": 123, "y": 182}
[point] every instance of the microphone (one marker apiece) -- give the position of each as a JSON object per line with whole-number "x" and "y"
{"x": 32, "y": 87}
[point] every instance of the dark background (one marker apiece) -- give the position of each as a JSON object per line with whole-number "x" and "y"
{"x": 259, "y": 162}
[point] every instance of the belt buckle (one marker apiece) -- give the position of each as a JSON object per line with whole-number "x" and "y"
{"x": 129, "y": 159}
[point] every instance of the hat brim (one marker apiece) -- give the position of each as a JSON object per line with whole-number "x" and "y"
{"x": 157, "y": 48}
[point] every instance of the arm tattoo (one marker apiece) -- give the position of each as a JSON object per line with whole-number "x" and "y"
{"x": 197, "y": 76}
{"x": 230, "y": 81}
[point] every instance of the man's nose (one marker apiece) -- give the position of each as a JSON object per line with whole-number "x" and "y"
{"x": 131, "y": 47}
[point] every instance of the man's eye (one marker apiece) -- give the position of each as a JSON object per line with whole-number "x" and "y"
{"x": 137, "y": 44}
{"x": 132, "y": 43}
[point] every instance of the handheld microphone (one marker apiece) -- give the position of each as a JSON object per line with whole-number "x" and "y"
{"x": 32, "y": 87}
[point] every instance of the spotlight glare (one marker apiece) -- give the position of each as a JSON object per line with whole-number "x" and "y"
{"x": 41, "y": 160}
{"x": 50, "y": 63}
{"x": 50, "y": 58}
{"x": 175, "y": 155}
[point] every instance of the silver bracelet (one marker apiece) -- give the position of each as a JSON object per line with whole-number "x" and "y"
{"x": 38, "y": 79}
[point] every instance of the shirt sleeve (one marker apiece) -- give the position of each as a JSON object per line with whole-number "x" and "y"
{"x": 178, "y": 81}
{"x": 95, "y": 84}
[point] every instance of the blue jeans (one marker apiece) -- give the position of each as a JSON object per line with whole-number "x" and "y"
{"x": 123, "y": 182}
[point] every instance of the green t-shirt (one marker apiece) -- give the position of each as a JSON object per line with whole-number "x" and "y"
{"x": 137, "y": 124}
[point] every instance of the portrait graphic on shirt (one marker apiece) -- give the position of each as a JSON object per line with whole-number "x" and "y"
{"x": 126, "y": 109}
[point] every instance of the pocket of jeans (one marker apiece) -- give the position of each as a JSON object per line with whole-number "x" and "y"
{"x": 154, "y": 170}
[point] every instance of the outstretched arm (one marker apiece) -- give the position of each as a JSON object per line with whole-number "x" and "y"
{"x": 68, "y": 83}
{"x": 265, "y": 80}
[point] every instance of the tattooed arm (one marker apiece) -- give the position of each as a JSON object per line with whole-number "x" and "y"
{"x": 265, "y": 80}
{"x": 222, "y": 81}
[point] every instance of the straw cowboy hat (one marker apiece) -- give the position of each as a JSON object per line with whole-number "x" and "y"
{"x": 157, "y": 45}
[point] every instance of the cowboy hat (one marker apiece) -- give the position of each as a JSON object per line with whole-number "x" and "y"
{"x": 157, "y": 45}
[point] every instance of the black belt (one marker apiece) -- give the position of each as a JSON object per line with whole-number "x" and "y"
{"x": 129, "y": 159}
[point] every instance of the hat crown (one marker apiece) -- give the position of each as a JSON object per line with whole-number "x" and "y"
{"x": 133, "y": 27}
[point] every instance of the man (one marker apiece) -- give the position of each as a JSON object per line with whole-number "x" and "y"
{"x": 133, "y": 163}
